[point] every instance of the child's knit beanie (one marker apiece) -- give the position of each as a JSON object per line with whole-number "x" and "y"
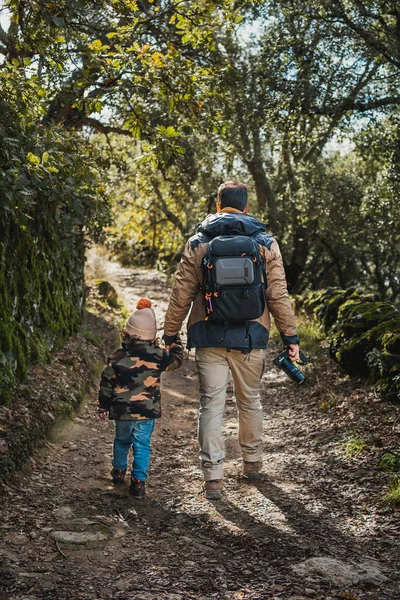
{"x": 142, "y": 323}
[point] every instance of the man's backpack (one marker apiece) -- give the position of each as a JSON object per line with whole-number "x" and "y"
{"x": 234, "y": 279}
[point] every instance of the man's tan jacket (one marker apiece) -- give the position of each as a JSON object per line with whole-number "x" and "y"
{"x": 187, "y": 290}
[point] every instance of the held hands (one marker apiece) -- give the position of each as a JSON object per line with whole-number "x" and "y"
{"x": 171, "y": 340}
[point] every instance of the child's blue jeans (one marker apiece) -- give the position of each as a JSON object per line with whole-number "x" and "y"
{"x": 136, "y": 434}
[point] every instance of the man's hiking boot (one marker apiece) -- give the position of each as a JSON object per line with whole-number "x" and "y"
{"x": 251, "y": 470}
{"x": 137, "y": 488}
{"x": 213, "y": 489}
{"x": 118, "y": 475}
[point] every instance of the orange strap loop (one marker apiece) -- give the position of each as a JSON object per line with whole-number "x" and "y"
{"x": 209, "y": 266}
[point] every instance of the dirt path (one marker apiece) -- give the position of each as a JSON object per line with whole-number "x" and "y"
{"x": 69, "y": 534}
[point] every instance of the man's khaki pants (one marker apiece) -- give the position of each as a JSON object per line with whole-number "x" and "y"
{"x": 214, "y": 365}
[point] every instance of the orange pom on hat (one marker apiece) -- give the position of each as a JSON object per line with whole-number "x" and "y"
{"x": 142, "y": 323}
{"x": 143, "y": 303}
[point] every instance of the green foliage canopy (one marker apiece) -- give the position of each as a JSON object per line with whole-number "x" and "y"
{"x": 199, "y": 98}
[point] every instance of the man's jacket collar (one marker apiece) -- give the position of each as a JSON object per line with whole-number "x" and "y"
{"x": 230, "y": 222}
{"x": 230, "y": 209}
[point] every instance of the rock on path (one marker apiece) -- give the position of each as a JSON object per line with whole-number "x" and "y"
{"x": 339, "y": 573}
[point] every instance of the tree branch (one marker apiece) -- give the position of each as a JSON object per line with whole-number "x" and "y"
{"x": 105, "y": 129}
{"x": 356, "y": 106}
{"x": 168, "y": 213}
{"x": 369, "y": 39}
{"x": 4, "y": 37}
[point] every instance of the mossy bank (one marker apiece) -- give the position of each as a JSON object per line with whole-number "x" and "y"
{"x": 364, "y": 335}
{"x": 41, "y": 296}
{"x": 53, "y": 392}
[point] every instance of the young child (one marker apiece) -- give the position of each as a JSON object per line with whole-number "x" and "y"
{"x": 130, "y": 393}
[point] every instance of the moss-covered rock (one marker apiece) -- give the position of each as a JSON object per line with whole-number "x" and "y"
{"x": 389, "y": 389}
{"x": 324, "y": 305}
{"x": 382, "y": 364}
{"x": 357, "y": 317}
{"x": 390, "y": 341}
{"x": 385, "y": 335}
{"x": 352, "y": 356}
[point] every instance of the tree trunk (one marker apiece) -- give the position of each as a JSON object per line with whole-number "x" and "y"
{"x": 265, "y": 196}
{"x": 298, "y": 259}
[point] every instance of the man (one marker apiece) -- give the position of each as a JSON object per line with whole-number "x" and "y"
{"x": 221, "y": 348}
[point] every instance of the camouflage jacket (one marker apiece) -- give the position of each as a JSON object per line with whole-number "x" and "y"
{"x": 130, "y": 384}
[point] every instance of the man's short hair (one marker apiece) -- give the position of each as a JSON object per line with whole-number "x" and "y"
{"x": 233, "y": 194}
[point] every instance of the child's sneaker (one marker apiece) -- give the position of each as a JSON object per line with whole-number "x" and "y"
{"x": 118, "y": 475}
{"x": 137, "y": 488}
